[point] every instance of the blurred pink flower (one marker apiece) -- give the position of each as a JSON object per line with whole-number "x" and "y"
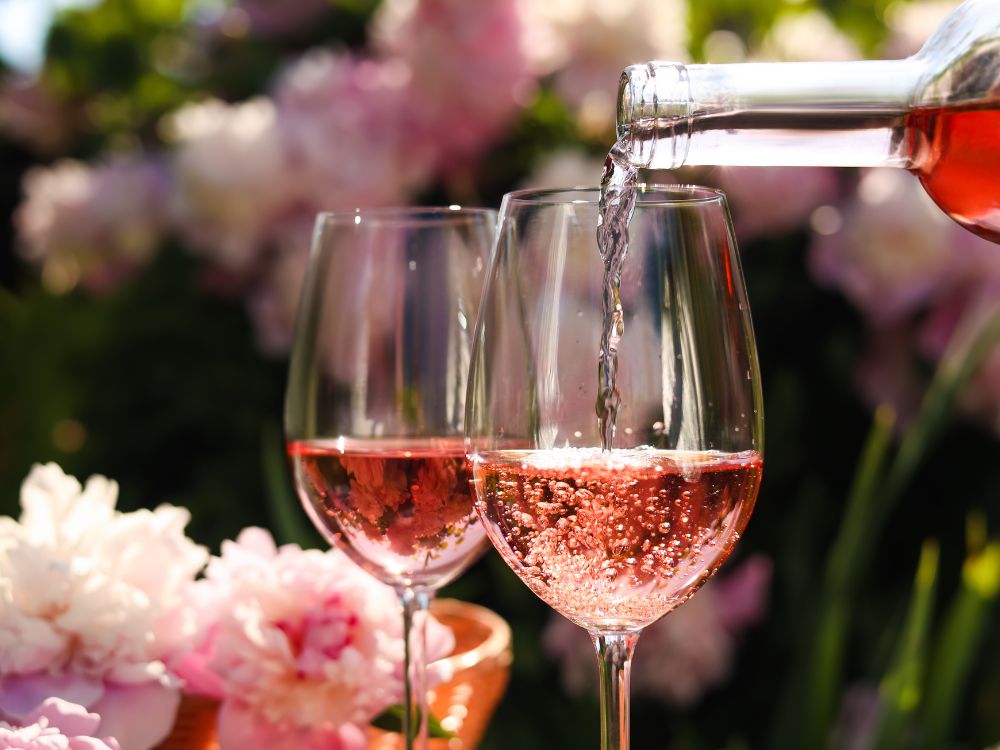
{"x": 807, "y": 35}
{"x": 921, "y": 280}
{"x": 232, "y": 179}
{"x": 347, "y": 125}
{"x": 858, "y": 720}
{"x": 585, "y": 44}
{"x": 775, "y": 200}
{"x": 895, "y": 253}
{"x": 94, "y": 225}
{"x": 467, "y": 73}
{"x": 56, "y": 724}
{"x": 303, "y": 648}
{"x": 682, "y": 655}
{"x": 887, "y": 373}
{"x": 94, "y": 605}
{"x": 273, "y": 299}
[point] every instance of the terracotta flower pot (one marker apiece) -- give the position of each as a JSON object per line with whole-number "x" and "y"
{"x": 481, "y": 669}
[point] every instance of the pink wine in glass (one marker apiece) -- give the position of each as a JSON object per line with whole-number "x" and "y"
{"x": 615, "y": 540}
{"x": 401, "y": 508}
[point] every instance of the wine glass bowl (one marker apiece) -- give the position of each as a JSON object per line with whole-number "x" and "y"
{"x": 376, "y": 391}
{"x": 375, "y": 405}
{"x": 615, "y": 539}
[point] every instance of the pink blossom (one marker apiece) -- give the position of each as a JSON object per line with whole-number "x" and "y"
{"x": 94, "y": 605}
{"x": 896, "y": 251}
{"x": 682, "y": 655}
{"x": 775, "y": 200}
{"x": 94, "y": 225}
{"x": 887, "y": 373}
{"x": 232, "y": 179}
{"x": 921, "y": 280}
{"x": 56, "y": 724}
{"x": 347, "y": 125}
{"x": 302, "y": 647}
{"x": 274, "y": 297}
{"x": 858, "y": 719}
{"x": 468, "y": 73}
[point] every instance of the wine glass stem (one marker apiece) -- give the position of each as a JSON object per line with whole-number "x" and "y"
{"x": 416, "y": 602}
{"x": 614, "y": 660}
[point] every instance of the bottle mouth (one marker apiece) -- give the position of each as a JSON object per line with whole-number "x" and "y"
{"x": 653, "y": 100}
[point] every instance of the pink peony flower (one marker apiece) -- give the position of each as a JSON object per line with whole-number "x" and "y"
{"x": 896, "y": 251}
{"x": 232, "y": 179}
{"x": 273, "y": 300}
{"x": 94, "y": 225}
{"x": 858, "y": 719}
{"x": 303, "y": 648}
{"x": 774, "y": 200}
{"x": 921, "y": 280}
{"x": 348, "y": 125}
{"x": 681, "y": 655}
{"x": 93, "y": 605}
{"x": 56, "y": 724}
{"x": 466, "y": 65}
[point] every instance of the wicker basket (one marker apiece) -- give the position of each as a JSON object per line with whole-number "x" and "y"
{"x": 480, "y": 665}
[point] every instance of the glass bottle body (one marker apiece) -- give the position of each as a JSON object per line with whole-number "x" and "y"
{"x": 936, "y": 113}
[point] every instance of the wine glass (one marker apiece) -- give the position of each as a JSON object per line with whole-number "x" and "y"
{"x": 375, "y": 405}
{"x": 615, "y": 539}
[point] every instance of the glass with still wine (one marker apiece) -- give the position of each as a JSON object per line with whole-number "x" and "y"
{"x": 936, "y": 114}
{"x": 375, "y": 404}
{"x": 615, "y": 486}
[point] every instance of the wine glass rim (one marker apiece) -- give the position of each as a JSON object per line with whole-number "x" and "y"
{"x": 680, "y": 194}
{"x": 405, "y": 215}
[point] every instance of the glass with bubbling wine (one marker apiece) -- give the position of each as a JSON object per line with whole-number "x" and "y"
{"x": 614, "y": 410}
{"x": 375, "y": 406}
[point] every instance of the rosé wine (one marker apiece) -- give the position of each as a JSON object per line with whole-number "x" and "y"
{"x": 958, "y": 154}
{"x": 401, "y": 508}
{"x": 615, "y": 540}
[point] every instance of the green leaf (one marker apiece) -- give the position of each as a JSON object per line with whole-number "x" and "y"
{"x": 958, "y": 642}
{"x": 813, "y": 691}
{"x": 901, "y": 688}
{"x": 391, "y": 720}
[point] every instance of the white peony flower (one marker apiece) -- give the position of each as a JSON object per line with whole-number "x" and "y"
{"x": 91, "y": 225}
{"x": 232, "y": 177}
{"x": 587, "y": 43}
{"x": 93, "y": 602}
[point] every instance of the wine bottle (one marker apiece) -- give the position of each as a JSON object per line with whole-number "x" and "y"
{"x": 936, "y": 113}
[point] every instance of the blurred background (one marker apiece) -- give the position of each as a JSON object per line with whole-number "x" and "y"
{"x": 162, "y": 161}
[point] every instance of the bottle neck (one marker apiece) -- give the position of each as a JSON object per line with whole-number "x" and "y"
{"x": 849, "y": 114}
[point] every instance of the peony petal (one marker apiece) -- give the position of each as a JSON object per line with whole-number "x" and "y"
{"x": 90, "y": 743}
{"x": 257, "y": 540}
{"x": 69, "y": 718}
{"x": 195, "y": 671}
{"x": 240, "y": 727}
{"x": 21, "y": 694}
{"x": 138, "y": 716}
